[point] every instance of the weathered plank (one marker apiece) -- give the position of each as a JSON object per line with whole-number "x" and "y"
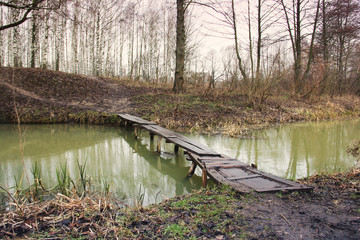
{"x": 234, "y": 165}
{"x": 134, "y": 119}
{"x": 211, "y": 163}
{"x": 244, "y": 177}
{"x": 157, "y": 130}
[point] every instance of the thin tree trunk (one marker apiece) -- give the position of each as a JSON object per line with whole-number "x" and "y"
{"x": 298, "y": 59}
{"x": 252, "y": 85}
{"x": 259, "y": 42}
{"x": 45, "y": 45}
{"x": 242, "y": 70}
{"x": 311, "y": 50}
{"x": 2, "y": 46}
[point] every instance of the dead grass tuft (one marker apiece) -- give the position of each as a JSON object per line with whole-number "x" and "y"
{"x": 88, "y": 217}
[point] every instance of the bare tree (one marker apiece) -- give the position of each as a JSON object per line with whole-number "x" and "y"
{"x": 344, "y": 26}
{"x": 295, "y": 14}
{"x": 25, "y": 7}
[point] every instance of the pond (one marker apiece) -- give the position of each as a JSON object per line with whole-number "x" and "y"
{"x": 293, "y": 151}
{"x": 135, "y": 170}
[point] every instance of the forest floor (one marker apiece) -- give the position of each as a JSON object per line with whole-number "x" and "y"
{"x": 330, "y": 211}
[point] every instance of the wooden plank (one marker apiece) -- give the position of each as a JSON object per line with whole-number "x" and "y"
{"x": 157, "y": 130}
{"x": 273, "y": 177}
{"x": 298, "y": 188}
{"x": 209, "y": 158}
{"x": 209, "y": 163}
{"x": 136, "y": 119}
{"x": 244, "y": 177}
{"x": 219, "y": 178}
{"x": 193, "y": 142}
{"x": 225, "y": 166}
{"x": 191, "y": 148}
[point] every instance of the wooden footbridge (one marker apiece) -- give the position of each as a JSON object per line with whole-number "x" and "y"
{"x": 223, "y": 169}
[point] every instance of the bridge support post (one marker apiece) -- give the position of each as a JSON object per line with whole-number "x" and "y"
{"x": 176, "y": 149}
{"x": 158, "y": 149}
{"x": 151, "y": 136}
{"x": 204, "y": 177}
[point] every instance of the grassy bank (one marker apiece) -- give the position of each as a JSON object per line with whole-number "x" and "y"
{"x": 196, "y": 114}
{"x": 230, "y": 115}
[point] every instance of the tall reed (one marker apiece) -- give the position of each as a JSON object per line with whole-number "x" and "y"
{"x": 38, "y": 185}
{"x": 64, "y": 180}
{"x": 84, "y": 180}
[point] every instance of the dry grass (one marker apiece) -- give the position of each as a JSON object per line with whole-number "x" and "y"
{"x": 90, "y": 216}
{"x": 349, "y": 180}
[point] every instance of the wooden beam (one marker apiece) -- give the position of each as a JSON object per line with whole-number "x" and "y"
{"x": 176, "y": 149}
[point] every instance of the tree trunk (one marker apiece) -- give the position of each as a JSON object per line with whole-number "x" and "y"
{"x": 242, "y": 70}
{"x": 259, "y": 43}
{"x": 180, "y": 47}
{"x": 45, "y": 44}
{"x": 1, "y": 39}
{"x": 16, "y": 39}
{"x": 298, "y": 48}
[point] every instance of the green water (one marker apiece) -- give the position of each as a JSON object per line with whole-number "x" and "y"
{"x": 132, "y": 167}
{"x": 293, "y": 151}
{"x": 135, "y": 169}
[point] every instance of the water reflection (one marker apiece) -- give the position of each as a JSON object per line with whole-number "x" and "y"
{"x": 293, "y": 151}
{"x": 131, "y": 166}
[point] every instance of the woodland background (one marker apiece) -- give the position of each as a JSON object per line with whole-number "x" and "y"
{"x": 302, "y": 47}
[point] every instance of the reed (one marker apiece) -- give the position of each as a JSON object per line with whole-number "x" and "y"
{"x": 64, "y": 180}
{"x": 106, "y": 185}
{"x": 139, "y": 201}
{"x": 84, "y": 180}
{"x": 38, "y": 186}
